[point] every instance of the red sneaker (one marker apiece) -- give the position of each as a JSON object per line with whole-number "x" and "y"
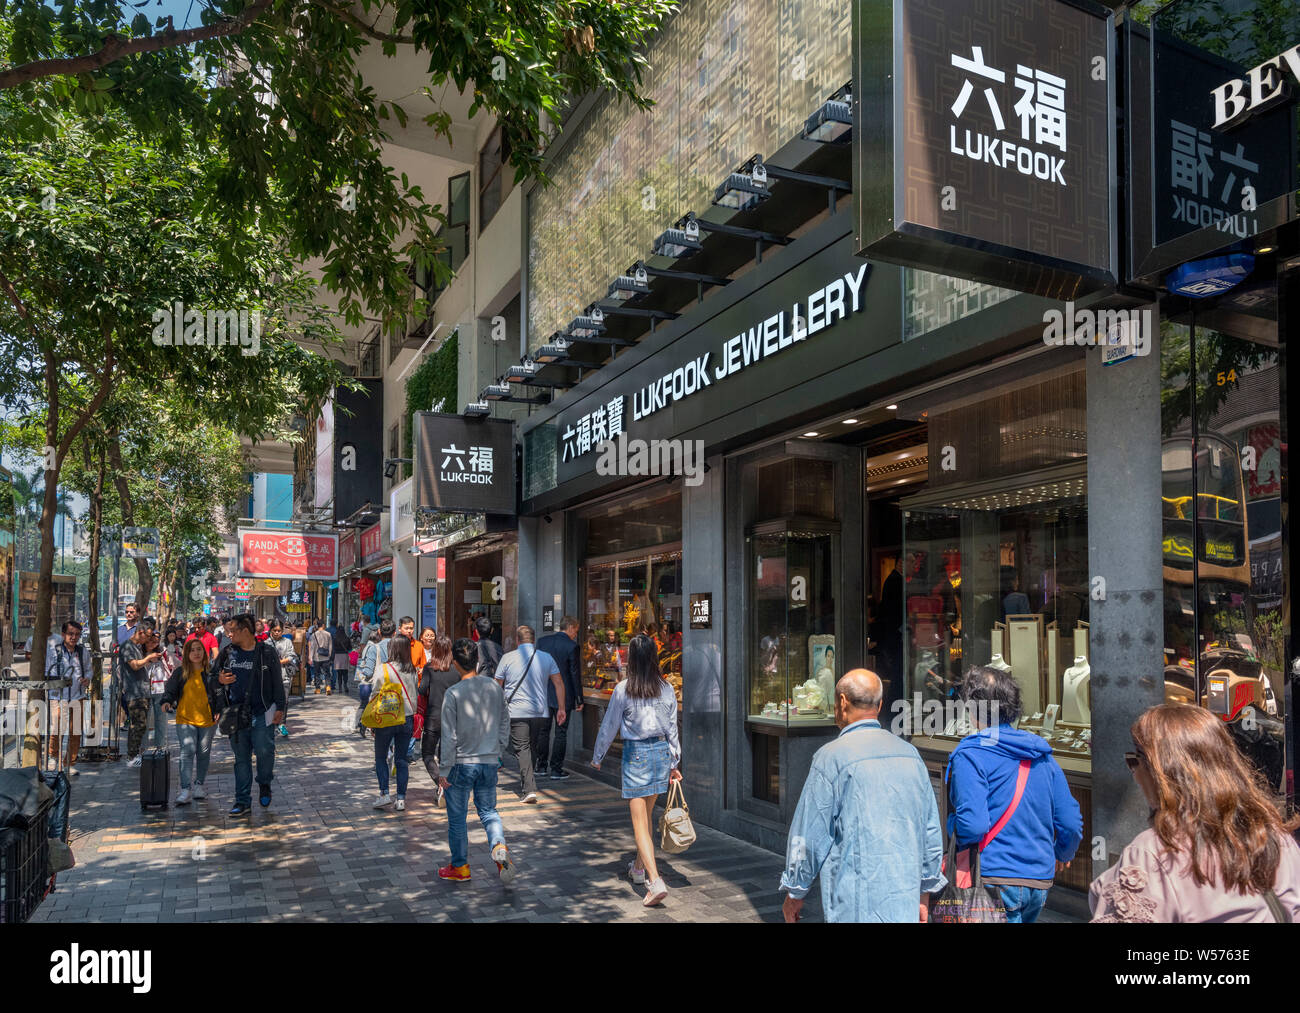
{"x": 456, "y": 873}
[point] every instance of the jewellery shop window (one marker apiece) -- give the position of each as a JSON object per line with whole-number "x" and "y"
{"x": 995, "y": 571}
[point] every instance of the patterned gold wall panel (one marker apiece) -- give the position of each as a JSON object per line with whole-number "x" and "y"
{"x": 731, "y": 78}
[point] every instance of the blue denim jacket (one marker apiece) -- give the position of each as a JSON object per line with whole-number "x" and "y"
{"x": 868, "y": 825}
{"x": 640, "y": 719}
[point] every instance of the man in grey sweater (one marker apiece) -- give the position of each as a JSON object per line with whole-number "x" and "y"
{"x": 475, "y": 730}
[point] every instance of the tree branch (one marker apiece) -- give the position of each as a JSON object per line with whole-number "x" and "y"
{"x": 344, "y": 14}
{"x": 115, "y": 48}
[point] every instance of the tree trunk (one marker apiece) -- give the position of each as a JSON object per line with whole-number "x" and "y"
{"x": 145, "y": 588}
{"x": 96, "y": 519}
{"x": 44, "y": 581}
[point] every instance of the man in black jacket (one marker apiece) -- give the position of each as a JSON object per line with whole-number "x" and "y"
{"x": 250, "y": 670}
{"x": 489, "y": 651}
{"x": 563, "y": 647}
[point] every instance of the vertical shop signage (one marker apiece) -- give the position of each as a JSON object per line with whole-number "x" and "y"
{"x": 702, "y": 611}
{"x": 401, "y": 512}
{"x": 358, "y": 467}
{"x": 994, "y": 121}
{"x": 371, "y": 541}
{"x": 347, "y": 551}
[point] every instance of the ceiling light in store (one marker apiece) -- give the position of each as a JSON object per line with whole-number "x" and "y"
{"x": 833, "y": 120}
{"x": 632, "y": 285}
{"x": 811, "y": 435}
{"x": 745, "y": 188}
{"x": 891, "y": 408}
{"x": 850, "y": 422}
{"x": 679, "y": 242}
{"x": 1266, "y": 249}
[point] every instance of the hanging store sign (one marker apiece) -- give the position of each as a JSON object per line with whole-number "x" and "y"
{"x": 985, "y": 137}
{"x": 464, "y": 465}
{"x": 296, "y": 602}
{"x": 347, "y": 551}
{"x": 288, "y": 554}
{"x": 1264, "y": 87}
{"x": 401, "y": 513}
{"x": 371, "y": 545}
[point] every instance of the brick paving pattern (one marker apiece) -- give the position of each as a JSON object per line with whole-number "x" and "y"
{"x": 320, "y": 853}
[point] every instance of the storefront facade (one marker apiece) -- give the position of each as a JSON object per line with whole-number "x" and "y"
{"x": 905, "y": 470}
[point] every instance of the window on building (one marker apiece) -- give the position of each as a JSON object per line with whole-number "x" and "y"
{"x": 394, "y": 442}
{"x": 368, "y": 356}
{"x": 455, "y": 234}
{"x": 496, "y": 178}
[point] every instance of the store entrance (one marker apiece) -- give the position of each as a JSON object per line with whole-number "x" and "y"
{"x": 1224, "y": 558}
{"x": 483, "y": 581}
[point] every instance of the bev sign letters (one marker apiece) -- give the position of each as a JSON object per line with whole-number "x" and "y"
{"x": 275, "y": 553}
{"x": 994, "y": 121}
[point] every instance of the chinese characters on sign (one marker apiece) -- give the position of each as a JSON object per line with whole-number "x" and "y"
{"x": 370, "y": 543}
{"x": 479, "y": 471}
{"x": 1219, "y": 198}
{"x": 296, "y": 601}
{"x": 287, "y": 554}
{"x": 702, "y": 611}
{"x": 463, "y": 465}
{"x": 604, "y": 422}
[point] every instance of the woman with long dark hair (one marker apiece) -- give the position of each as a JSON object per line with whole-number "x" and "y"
{"x": 644, "y": 709}
{"x": 342, "y": 648}
{"x": 1217, "y": 849}
{"x": 438, "y": 676}
{"x": 397, "y": 669}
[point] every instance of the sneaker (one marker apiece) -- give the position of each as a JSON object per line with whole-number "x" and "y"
{"x": 198, "y": 792}
{"x": 401, "y": 805}
{"x": 133, "y": 762}
{"x": 636, "y": 875}
{"x": 456, "y": 873}
{"x": 240, "y": 809}
{"x": 265, "y": 796}
{"x": 505, "y": 867}
{"x": 73, "y": 772}
{"x": 383, "y": 802}
{"x": 561, "y": 775}
{"x": 318, "y": 691}
{"x": 329, "y": 691}
{"x": 183, "y": 798}
{"x": 531, "y": 798}
{"x": 655, "y": 893}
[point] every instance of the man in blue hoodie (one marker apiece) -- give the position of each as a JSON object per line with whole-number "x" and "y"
{"x": 1043, "y": 833}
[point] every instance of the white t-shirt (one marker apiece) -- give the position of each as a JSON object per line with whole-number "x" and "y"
{"x": 527, "y": 700}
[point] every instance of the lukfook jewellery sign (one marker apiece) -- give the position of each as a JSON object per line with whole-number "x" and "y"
{"x": 838, "y": 299}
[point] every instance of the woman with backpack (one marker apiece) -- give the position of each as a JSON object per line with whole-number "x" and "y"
{"x": 196, "y": 699}
{"x": 1009, "y": 796}
{"x": 644, "y": 709}
{"x": 397, "y": 670}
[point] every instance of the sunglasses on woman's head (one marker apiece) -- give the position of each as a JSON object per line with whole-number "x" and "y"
{"x": 1132, "y": 759}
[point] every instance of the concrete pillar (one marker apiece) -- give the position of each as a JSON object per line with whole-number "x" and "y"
{"x": 406, "y": 593}
{"x": 1124, "y": 548}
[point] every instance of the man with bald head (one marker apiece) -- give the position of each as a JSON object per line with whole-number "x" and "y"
{"x": 867, "y": 822}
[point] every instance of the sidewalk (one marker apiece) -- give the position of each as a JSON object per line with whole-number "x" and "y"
{"x": 321, "y": 853}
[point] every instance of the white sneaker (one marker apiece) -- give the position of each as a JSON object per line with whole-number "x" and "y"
{"x": 184, "y": 797}
{"x": 401, "y": 805}
{"x": 134, "y": 762}
{"x": 73, "y": 772}
{"x": 199, "y": 792}
{"x": 383, "y": 802}
{"x": 636, "y": 875}
{"x": 531, "y": 797}
{"x": 655, "y": 893}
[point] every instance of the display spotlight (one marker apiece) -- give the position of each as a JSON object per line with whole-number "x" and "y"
{"x": 632, "y": 285}
{"x": 589, "y": 325}
{"x": 478, "y": 410}
{"x": 555, "y": 350}
{"x": 523, "y": 373}
{"x": 832, "y": 121}
{"x": 496, "y": 392}
{"x": 676, "y": 243}
{"x": 745, "y": 188}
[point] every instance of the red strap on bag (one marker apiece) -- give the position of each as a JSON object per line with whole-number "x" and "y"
{"x": 1022, "y": 779}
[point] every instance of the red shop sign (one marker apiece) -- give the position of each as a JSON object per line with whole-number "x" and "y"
{"x": 289, "y": 554}
{"x": 348, "y": 551}
{"x": 370, "y": 541}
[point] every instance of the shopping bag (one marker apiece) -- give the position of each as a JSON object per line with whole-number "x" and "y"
{"x": 385, "y": 708}
{"x": 966, "y": 900}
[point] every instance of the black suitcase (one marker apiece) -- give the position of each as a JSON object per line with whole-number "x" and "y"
{"x": 155, "y": 770}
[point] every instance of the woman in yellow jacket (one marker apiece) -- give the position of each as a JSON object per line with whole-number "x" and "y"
{"x": 194, "y": 696}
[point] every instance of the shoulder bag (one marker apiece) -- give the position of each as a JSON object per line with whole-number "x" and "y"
{"x": 385, "y": 708}
{"x": 676, "y": 831}
{"x": 965, "y": 899}
{"x": 522, "y": 679}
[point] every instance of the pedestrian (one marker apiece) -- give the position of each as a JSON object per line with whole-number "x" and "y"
{"x": 250, "y": 671}
{"x": 867, "y": 822}
{"x": 489, "y": 651}
{"x": 1000, "y": 776}
{"x": 438, "y": 677}
{"x": 322, "y": 656}
{"x": 475, "y": 727}
{"x": 303, "y": 651}
{"x": 523, "y": 674}
{"x": 370, "y": 654}
{"x": 1217, "y": 850}
{"x": 222, "y": 634}
{"x": 158, "y": 675}
{"x": 134, "y": 669}
{"x": 563, "y": 647}
{"x": 193, "y": 693}
{"x": 209, "y": 639}
{"x": 406, "y": 627}
{"x": 282, "y": 640}
{"x": 69, "y": 660}
{"x": 172, "y": 644}
{"x": 644, "y": 708}
{"x": 342, "y": 648}
{"x": 398, "y": 669}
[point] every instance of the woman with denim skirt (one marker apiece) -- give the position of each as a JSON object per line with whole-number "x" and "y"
{"x": 644, "y": 709}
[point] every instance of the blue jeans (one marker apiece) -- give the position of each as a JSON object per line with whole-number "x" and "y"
{"x": 196, "y": 743}
{"x": 481, "y": 779}
{"x": 259, "y": 740}
{"x": 1023, "y": 903}
{"x": 323, "y": 673}
{"x": 399, "y": 737}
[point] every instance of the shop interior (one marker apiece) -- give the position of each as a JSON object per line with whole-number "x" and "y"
{"x": 483, "y": 580}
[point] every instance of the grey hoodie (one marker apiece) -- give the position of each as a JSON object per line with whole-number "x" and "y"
{"x": 475, "y": 723}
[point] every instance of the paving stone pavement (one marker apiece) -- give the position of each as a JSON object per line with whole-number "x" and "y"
{"x": 320, "y": 853}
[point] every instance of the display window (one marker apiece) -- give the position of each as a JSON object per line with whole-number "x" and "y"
{"x": 483, "y": 580}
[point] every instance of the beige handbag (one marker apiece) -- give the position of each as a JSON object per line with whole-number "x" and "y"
{"x": 676, "y": 832}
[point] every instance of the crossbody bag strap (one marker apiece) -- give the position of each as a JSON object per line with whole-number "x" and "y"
{"x": 1022, "y": 779}
{"x": 1279, "y": 913}
{"x": 522, "y": 679}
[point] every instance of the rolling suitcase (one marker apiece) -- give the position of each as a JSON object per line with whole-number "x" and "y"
{"x": 155, "y": 769}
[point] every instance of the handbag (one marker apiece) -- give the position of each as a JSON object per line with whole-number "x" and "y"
{"x": 965, "y": 899}
{"x": 676, "y": 831}
{"x": 385, "y": 708}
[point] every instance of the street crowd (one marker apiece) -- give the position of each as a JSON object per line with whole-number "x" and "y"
{"x": 867, "y": 823}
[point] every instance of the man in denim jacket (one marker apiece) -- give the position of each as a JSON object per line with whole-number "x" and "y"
{"x": 867, "y": 821}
